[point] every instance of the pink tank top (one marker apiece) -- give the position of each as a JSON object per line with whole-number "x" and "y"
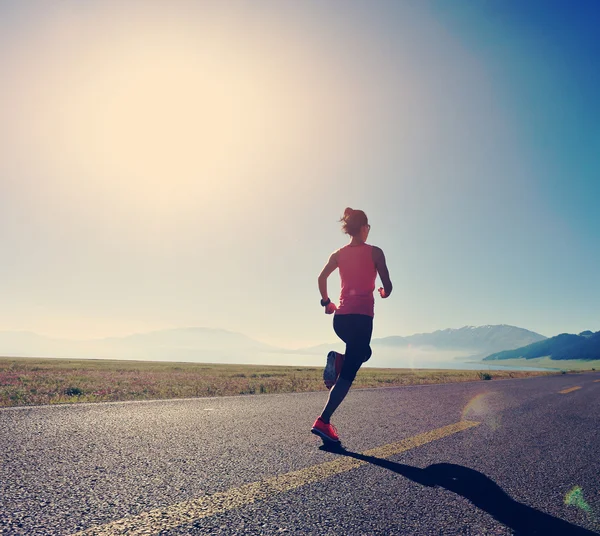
{"x": 358, "y": 273}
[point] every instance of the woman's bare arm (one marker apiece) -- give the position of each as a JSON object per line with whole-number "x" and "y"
{"x": 325, "y": 273}
{"x": 382, "y": 270}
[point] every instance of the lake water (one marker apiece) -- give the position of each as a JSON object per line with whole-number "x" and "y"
{"x": 480, "y": 366}
{"x": 417, "y": 359}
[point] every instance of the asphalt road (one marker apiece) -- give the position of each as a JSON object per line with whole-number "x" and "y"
{"x": 489, "y": 457}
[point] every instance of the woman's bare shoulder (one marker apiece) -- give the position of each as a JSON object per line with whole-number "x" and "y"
{"x": 377, "y": 253}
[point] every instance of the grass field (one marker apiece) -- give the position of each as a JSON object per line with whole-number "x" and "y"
{"x": 32, "y": 381}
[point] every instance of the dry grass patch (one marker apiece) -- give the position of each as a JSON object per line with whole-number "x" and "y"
{"x": 29, "y": 381}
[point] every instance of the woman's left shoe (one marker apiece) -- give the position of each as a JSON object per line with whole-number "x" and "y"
{"x": 329, "y": 372}
{"x": 334, "y": 365}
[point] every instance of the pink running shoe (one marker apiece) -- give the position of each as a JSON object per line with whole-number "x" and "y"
{"x": 334, "y": 365}
{"x": 326, "y": 431}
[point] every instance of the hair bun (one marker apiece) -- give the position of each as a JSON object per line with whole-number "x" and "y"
{"x": 353, "y": 220}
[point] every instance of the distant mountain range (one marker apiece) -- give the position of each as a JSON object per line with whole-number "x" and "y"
{"x": 586, "y": 346}
{"x": 217, "y": 345}
{"x": 183, "y": 344}
{"x": 476, "y": 340}
{"x": 492, "y": 342}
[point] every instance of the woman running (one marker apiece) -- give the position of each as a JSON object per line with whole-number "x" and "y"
{"x": 359, "y": 264}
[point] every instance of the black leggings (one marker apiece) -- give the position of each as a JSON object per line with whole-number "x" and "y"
{"x": 355, "y": 331}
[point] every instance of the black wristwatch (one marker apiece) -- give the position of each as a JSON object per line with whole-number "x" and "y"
{"x": 326, "y": 302}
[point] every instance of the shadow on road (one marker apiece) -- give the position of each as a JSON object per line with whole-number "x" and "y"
{"x": 482, "y": 491}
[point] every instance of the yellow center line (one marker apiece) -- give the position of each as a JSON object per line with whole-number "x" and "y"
{"x": 569, "y": 390}
{"x": 169, "y": 517}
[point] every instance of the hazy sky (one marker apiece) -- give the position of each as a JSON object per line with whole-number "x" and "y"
{"x": 184, "y": 163}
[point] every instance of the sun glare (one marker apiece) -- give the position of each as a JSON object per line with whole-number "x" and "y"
{"x": 158, "y": 117}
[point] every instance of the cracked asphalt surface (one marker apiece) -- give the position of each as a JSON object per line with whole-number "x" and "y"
{"x": 531, "y": 467}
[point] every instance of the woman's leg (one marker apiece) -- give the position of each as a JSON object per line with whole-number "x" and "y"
{"x": 355, "y": 331}
{"x": 337, "y": 393}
